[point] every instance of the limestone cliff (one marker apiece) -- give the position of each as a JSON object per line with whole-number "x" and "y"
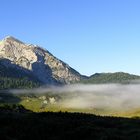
{"x": 46, "y": 67}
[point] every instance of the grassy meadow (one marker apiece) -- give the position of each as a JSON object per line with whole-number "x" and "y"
{"x": 51, "y": 102}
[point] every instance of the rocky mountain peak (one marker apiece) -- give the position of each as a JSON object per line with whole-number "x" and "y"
{"x": 11, "y": 39}
{"x": 46, "y": 67}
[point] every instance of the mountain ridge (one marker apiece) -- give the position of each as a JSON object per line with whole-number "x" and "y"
{"x": 116, "y": 77}
{"x": 44, "y": 67}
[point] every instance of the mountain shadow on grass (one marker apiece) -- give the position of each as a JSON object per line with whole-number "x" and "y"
{"x": 66, "y": 126}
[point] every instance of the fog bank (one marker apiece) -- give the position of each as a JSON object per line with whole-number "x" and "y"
{"x": 101, "y": 96}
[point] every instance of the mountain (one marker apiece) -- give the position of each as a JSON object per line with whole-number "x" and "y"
{"x": 118, "y": 77}
{"x": 35, "y": 62}
{"x": 25, "y": 65}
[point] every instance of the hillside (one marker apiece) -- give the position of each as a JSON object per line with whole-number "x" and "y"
{"x": 118, "y": 77}
{"x": 15, "y": 77}
{"x": 20, "y": 124}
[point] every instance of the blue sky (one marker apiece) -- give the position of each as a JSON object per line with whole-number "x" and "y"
{"x": 90, "y": 35}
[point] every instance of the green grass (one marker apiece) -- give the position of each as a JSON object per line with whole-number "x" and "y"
{"x": 16, "y": 123}
{"x": 35, "y": 104}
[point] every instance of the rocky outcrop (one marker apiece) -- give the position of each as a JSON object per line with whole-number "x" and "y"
{"x": 46, "y": 67}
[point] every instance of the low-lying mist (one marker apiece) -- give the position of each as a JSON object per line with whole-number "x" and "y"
{"x": 102, "y": 96}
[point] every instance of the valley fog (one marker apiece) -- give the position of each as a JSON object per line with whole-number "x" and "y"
{"x": 82, "y": 96}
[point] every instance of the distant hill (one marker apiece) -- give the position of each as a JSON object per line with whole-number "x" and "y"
{"x": 118, "y": 77}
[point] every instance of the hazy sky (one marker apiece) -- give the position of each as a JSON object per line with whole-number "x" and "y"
{"x": 90, "y": 35}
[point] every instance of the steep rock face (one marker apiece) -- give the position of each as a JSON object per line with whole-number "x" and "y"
{"x": 40, "y": 62}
